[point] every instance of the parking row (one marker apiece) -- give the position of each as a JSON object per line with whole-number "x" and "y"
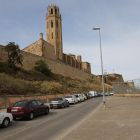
{"x": 30, "y": 108}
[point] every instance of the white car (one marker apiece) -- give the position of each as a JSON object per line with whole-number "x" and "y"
{"x": 79, "y": 97}
{"x": 111, "y": 93}
{"x": 5, "y": 119}
{"x": 71, "y": 99}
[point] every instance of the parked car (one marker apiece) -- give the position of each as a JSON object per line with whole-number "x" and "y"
{"x": 90, "y": 95}
{"x": 98, "y": 94}
{"x": 87, "y": 95}
{"x": 79, "y": 97}
{"x": 28, "y": 109}
{"x": 59, "y": 102}
{"x": 71, "y": 99}
{"x": 5, "y": 119}
{"x": 84, "y": 96}
{"x": 93, "y": 93}
{"x": 106, "y": 93}
{"x": 111, "y": 93}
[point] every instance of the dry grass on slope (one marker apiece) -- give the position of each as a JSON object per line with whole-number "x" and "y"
{"x": 25, "y": 82}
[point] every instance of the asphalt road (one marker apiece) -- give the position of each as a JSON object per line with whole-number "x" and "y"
{"x": 55, "y": 126}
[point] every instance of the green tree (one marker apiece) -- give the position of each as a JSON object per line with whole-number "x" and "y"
{"x": 42, "y": 67}
{"x": 14, "y": 56}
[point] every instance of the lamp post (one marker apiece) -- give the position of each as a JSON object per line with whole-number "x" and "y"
{"x": 97, "y": 28}
{"x": 106, "y": 81}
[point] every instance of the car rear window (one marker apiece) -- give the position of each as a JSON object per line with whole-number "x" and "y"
{"x": 76, "y": 95}
{"x": 57, "y": 99}
{"x": 23, "y": 103}
{"x": 68, "y": 97}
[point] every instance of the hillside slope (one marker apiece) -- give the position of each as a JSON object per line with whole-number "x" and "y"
{"x": 25, "y": 82}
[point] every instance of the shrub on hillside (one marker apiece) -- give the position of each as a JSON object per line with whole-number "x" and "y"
{"x": 42, "y": 67}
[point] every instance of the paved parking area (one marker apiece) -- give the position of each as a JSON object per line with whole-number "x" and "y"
{"x": 119, "y": 121}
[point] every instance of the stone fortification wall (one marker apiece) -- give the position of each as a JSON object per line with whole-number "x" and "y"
{"x": 56, "y": 66}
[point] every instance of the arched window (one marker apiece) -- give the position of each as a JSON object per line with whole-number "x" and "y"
{"x": 51, "y": 11}
{"x": 52, "y": 35}
{"x": 55, "y": 11}
{"x": 51, "y": 23}
{"x": 57, "y": 24}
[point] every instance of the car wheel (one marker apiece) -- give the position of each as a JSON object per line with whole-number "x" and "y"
{"x": 51, "y": 107}
{"x": 5, "y": 123}
{"x": 68, "y": 105}
{"x": 31, "y": 115}
{"x": 62, "y": 106}
{"x": 46, "y": 111}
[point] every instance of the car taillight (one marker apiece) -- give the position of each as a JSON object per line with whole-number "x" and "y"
{"x": 21, "y": 110}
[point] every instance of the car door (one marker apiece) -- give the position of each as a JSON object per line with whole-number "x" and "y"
{"x": 34, "y": 106}
{"x": 41, "y": 106}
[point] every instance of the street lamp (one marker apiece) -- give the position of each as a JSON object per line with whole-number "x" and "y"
{"x": 106, "y": 81}
{"x": 97, "y": 28}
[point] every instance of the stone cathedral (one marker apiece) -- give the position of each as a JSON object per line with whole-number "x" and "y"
{"x": 52, "y": 48}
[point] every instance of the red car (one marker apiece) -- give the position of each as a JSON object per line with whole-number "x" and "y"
{"x": 28, "y": 109}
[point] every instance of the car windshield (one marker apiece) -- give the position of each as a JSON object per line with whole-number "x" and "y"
{"x": 57, "y": 99}
{"x": 23, "y": 103}
{"x": 68, "y": 97}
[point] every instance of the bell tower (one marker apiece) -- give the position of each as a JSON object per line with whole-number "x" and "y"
{"x": 54, "y": 30}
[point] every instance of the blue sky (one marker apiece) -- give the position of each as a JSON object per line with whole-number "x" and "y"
{"x": 22, "y": 21}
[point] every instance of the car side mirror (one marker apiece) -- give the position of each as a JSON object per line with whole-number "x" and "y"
{"x": 42, "y": 104}
{"x": 66, "y": 100}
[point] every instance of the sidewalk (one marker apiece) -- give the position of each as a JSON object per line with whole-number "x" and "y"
{"x": 119, "y": 121}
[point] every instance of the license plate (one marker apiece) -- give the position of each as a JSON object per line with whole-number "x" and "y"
{"x": 14, "y": 110}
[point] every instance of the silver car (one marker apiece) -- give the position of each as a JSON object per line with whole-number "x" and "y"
{"x": 59, "y": 102}
{"x": 72, "y": 99}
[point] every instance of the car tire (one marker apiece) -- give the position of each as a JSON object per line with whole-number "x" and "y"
{"x": 31, "y": 115}
{"x": 51, "y": 107}
{"x": 46, "y": 111}
{"x": 68, "y": 105}
{"x": 6, "y": 122}
{"x": 62, "y": 106}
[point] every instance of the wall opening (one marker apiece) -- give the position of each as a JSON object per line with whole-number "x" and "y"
{"x": 51, "y": 11}
{"x": 51, "y": 23}
{"x": 55, "y": 11}
{"x": 52, "y": 35}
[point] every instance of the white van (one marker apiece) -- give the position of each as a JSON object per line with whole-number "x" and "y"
{"x": 93, "y": 93}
